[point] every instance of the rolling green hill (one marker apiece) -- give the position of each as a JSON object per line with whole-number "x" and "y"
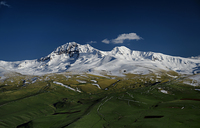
{"x": 89, "y": 101}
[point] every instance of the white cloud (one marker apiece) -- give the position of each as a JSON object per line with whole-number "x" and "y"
{"x": 106, "y": 41}
{"x": 122, "y": 37}
{"x": 91, "y": 42}
{"x": 4, "y": 3}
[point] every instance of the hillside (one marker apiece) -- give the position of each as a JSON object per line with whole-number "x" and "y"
{"x": 70, "y": 100}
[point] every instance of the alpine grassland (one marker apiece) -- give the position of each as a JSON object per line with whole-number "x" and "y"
{"x": 72, "y": 100}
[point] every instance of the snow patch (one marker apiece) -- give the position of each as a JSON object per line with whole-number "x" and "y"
{"x": 197, "y": 89}
{"x": 68, "y": 77}
{"x": 94, "y": 81}
{"x": 158, "y": 76}
{"x": 34, "y": 79}
{"x": 195, "y": 80}
{"x": 172, "y": 76}
{"x": 97, "y": 85}
{"x": 77, "y": 89}
{"x": 66, "y": 86}
{"x": 81, "y": 81}
{"x": 164, "y": 91}
{"x": 192, "y": 84}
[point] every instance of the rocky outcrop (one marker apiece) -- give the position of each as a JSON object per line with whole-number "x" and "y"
{"x": 69, "y": 49}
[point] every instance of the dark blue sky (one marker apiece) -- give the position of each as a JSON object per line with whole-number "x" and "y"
{"x": 30, "y": 29}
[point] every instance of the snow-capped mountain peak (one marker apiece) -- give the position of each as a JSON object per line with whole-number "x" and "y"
{"x": 86, "y": 48}
{"x": 70, "y": 49}
{"x": 66, "y": 48}
{"x": 121, "y": 50}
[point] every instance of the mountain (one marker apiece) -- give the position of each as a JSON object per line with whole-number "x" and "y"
{"x": 74, "y": 57}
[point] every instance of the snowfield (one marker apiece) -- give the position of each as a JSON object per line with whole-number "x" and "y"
{"x": 74, "y": 57}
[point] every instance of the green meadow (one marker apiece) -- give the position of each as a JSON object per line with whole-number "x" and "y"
{"x": 132, "y": 101}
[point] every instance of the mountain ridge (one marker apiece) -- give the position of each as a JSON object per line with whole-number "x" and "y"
{"x": 84, "y": 58}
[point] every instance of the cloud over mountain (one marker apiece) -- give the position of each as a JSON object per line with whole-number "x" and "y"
{"x": 106, "y": 41}
{"x": 120, "y": 39}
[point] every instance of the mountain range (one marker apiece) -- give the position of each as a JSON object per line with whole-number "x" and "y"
{"x": 73, "y": 57}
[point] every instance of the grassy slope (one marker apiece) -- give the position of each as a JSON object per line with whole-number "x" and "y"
{"x": 128, "y": 109}
{"x": 127, "y": 101}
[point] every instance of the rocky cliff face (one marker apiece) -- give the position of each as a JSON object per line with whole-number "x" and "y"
{"x": 70, "y": 49}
